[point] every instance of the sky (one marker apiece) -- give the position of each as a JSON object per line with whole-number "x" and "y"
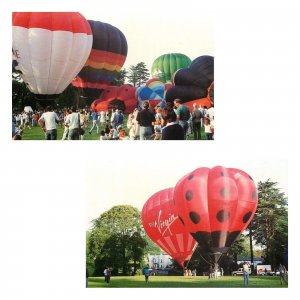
{"x": 150, "y": 36}
{"x": 133, "y": 183}
{"x": 50, "y": 191}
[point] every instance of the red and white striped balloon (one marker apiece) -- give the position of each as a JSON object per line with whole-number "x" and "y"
{"x": 50, "y": 48}
{"x": 162, "y": 225}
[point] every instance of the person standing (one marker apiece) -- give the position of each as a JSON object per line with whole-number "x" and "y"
{"x": 105, "y": 274}
{"x": 145, "y": 119}
{"x": 196, "y": 120}
{"x": 183, "y": 115}
{"x": 87, "y": 277}
{"x": 246, "y": 272}
{"x": 210, "y": 272}
{"x": 95, "y": 121}
{"x": 47, "y": 122}
{"x": 208, "y": 129}
{"x": 108, "y": 275}
{"x": 211, "y": 114}
{"x": 147, "y": 274}
{"x": 73, "y": 122}
{"x": 172, "y": 130}
{"x": 102, "y": 117}
{"x": 282, "y": 274}
{"x": 120, "y": 119}
{"x": 114, "y": 118}
{"x": 66, "y": 130}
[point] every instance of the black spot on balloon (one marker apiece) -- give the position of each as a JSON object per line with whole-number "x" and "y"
{"x": 225, "y": 193}
{"x": 250, "y": 177}
{"x": 247, "y": 216}
{"x": 189, "y": 195}
{"x": 223, "y": 215}
{"x": 191, "y": 177}
{"x": 195, "y": 218}
{"x": 254, "y": 195}
{"x": 181, "y": 220}
{"x": 224, "y": 173}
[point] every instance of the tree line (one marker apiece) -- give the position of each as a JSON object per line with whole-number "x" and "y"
{"x": 117, "y": 238}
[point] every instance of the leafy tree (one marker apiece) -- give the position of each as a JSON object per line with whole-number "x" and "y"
{"x": 21, "y": 96}
{"x": 270, "y": 223}
{"x": 117, "y": 240}
{"x": 138, "y": 74}
{"x": 151, "y": 247}
{"x": 120, "y": 78}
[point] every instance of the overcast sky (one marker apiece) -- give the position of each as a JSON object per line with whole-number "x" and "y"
{"x": 132, "y": 182}
{"x": 150, "y": 34}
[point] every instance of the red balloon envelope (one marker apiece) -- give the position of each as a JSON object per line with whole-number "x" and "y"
{"x": 216, "y": 205}
{"x": 162, "y": 225}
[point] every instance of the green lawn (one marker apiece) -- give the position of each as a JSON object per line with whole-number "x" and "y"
{"x": 36, "y": 133}
{"x": 185, "y": 282}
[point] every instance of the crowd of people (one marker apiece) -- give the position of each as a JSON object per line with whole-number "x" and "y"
{"x": 188, "y": 272}
{"x": 169, "y": 123}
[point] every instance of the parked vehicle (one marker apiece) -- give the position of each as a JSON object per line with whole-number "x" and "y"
{"x": 265, "y": 270}
{"x": 238, "y": 272}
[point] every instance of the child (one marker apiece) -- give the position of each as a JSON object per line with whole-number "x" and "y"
{"x": 208, "y": 129}
{"x": 157, "y": 129}
{"x": 103, "y": 135}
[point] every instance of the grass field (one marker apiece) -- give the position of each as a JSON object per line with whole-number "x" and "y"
{"x": 36, "y": 133}
{"x": 185, "y": 282}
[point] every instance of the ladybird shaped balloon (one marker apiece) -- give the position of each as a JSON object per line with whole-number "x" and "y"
{"x": 216, "y": 205}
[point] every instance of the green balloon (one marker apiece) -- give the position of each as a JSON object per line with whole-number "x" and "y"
{"x": 166, "y": 65}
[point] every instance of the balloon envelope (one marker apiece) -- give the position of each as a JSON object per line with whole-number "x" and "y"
{"x": 193, "y": 82}
{"x": 50, "y": 48}
{"x": 162, "y": 225}
{"x": 108, "y": 55}
{"x": 153, "y": 91}
{"x": 166, "y": 65}
{"x": 216, "y": 205}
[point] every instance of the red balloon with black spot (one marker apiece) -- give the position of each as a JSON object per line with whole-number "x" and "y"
{"x": 216, "y": 205}
{"x": 163, "y": 226}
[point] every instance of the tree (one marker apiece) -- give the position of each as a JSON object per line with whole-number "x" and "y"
{"x": 270, "y": 223}
{"x": 120, "y": 78}
{"x": 117, "y": 240}
{"x": 138, "y": 74}
{"x": 21, "y": 97}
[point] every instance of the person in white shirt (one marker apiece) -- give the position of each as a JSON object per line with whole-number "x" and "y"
{"x": 47, "y": 122}
{"x": 66, "y": 130}
{"x": 73, "y": 122}
{"x": 211, "y": 114}
{"x": 102, "y": 117}
{"x": 208, "y": 129}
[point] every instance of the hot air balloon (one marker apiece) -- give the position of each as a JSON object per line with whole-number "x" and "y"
{"x": 50, "y": 48}
{"x": 162, "y": 225}
{"x": 166, "y": 65}
{"x": 108, "y": 55}
{"x": 194, "y": 82}
{"x": 116, "y": 97}
{"x": 216, "y": 205}
{"x": 153, "y": 91}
